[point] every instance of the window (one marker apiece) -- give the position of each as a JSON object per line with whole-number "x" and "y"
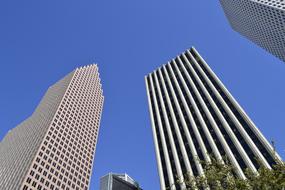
{"x": 32, "y": 173}
{"x": 39, "y": 187}
{"x": 35, "y": 166}
{"x": 34, "y": 184}
{"x": 29, "y": 180}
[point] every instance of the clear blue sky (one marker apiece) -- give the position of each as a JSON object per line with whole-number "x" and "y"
{"x": 41, "y": 41}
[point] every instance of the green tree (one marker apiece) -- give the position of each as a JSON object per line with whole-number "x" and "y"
{"x": 219, "y": 175}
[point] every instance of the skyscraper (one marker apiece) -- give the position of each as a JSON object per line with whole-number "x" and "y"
{"x": 54, "y": 148}
{"x": 113, "y": 181}
{"x": 261, "y": 21}
{"x": 193, "y": 115}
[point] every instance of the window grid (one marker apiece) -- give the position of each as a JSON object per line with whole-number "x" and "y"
{"x": 65, "y": 157}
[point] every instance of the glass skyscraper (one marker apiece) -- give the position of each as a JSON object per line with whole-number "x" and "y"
{"x": 114, "y": 181}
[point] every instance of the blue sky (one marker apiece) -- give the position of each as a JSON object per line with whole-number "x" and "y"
{"x": 41, "y": 41}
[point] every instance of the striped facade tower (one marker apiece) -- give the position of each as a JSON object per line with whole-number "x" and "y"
{"x": 193, "y": 116}
{"x": 54, "y": 148}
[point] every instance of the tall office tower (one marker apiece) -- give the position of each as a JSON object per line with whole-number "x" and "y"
{"x": 262, "y": 21}
{"x": 113, "y": 181}
{"x": 193, "y": 116}
{"x": 54, "y": 148}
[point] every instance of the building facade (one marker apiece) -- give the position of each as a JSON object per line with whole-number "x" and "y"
{"x": 261, "y": 21}
{"x": 113, "y": 181}
{"x": 54, "y": 148}
{"x": 193, "y": 116}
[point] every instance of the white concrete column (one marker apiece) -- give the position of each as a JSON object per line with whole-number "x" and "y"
{"x": 240, "y": 110}
{"x": 221, "y": 117}
{"x": 170, "y": 136}
{"x": 233, "y": 118}
{"x": 163, "y": 141}
{"x": 189, "y": 115}
{"x": 198, "y": 113}
{"x": 184, "y": 125}
{"x": 158, "y": 160}
{"x": 214, "y": 125}
{"x": 177, "y": 130}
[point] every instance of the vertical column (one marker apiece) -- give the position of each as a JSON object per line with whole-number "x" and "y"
{"x": 221, "y": 118}
{"x": 159, "y": 165}
{"x": 238, "y": 107}
{"x": 213, "y": 123}
{"x": 177, "y": 130}
{"x": 190, "y": 116}
{"x": 198, "y": 113}
{"x": 232, "y": 117}
{"x": 185, "y": 128}
{"x": 170, "y": 136}
{"x": 164, "y": 146}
